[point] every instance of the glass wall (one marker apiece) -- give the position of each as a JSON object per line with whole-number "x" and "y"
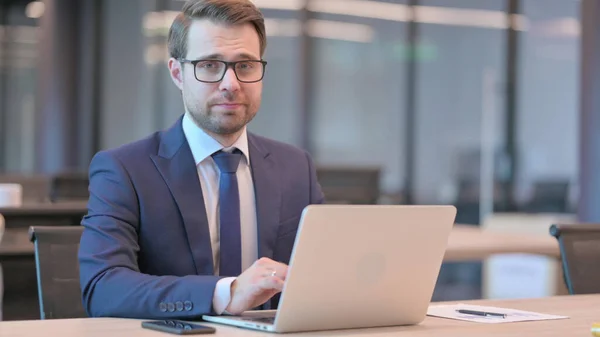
{"x": 281, "y": 113}
{"x": 18, "y": 74}
{"x": 460, "y": 100}
{"x": 548, "y": 104}
{"x": 337, "y": 84}
{"x": 128, "y": 105}
{"x": 358, "y": 86}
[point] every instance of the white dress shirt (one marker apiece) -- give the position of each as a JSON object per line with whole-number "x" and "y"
{"x": 203, "y": 146}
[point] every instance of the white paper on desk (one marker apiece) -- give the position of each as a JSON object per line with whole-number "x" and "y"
{"x": 512, "y": 315}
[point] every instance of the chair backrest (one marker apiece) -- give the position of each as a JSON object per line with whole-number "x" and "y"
{"x": 549, "y": 196}
{"x": 580, "y": 255}
{"x": 69, "y": 186}
{"x": 57, "y": 267}
{"x": 349, "y": 185}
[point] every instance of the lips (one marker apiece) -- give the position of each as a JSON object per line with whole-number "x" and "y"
{"x": 227, "y": 104}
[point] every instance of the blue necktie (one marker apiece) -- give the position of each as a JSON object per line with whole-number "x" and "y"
{"x": 230, "y": 263}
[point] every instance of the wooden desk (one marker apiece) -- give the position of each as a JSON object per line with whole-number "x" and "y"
{"x": 468, "y": 243}
{"x": 44, "y": 210}
{"x": 582, "y": 310}
{"x": 19, "y": 219}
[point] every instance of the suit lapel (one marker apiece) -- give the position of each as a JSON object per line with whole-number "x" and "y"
{"x": 267, "y": 195}
{"x": 177, "y": 167}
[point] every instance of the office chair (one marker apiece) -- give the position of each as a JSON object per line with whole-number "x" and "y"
{"x": 69, "y": 186}
{"x": 549, "y": 196}
{"x": 349, "y": 185}
{"x": 580, "y": 254}
{"x": 57, "y": 270}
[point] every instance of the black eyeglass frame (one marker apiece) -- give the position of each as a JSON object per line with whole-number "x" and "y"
{"x": 227, "y": 66}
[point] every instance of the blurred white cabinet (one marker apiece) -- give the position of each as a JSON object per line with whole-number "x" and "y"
{"x": 523, "y": 275}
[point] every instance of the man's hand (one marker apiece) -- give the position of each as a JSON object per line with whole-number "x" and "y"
{"x": 256, "y": 285}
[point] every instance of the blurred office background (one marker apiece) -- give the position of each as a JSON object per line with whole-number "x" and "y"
{"x": 473, "y": 103}
{"x": 464, "y": 93}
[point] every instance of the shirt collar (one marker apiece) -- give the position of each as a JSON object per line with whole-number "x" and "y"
{"x": 203, "y": 145}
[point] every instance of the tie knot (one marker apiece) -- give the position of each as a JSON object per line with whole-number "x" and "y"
{"x": 227, "y": 162}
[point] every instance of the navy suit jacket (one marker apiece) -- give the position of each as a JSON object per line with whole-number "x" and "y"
{"x": 145, "y": 251}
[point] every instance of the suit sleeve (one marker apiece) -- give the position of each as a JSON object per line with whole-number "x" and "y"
{"x": 111, "y": 282}
{"x": 316, "y": 194}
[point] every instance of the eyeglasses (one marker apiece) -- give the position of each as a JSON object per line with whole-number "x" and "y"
{"x": 213, "y": 71}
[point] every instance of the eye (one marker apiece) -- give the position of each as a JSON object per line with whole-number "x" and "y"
{"x": 208, "y": 65}
{"x": 246, "y": 65}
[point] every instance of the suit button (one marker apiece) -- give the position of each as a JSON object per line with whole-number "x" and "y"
{"x": 188, "y": 305}
{"x": 162, "y": 306}
{"x": 179, "y": 306}
{"x": 170, "y": 307}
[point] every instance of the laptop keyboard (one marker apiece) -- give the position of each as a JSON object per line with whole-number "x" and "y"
{"x": 268, "y": 320}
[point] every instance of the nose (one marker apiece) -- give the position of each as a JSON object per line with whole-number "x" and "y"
{"x": 230, "y": 81}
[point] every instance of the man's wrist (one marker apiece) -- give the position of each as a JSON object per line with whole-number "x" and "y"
{"x": 232, "y": 288}
{"x": 222, "y": 295}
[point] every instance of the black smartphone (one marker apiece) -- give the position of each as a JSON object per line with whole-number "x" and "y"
{"x": 178, "y": 327}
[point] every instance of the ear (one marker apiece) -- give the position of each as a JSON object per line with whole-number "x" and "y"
{"x": 176, "y": 72}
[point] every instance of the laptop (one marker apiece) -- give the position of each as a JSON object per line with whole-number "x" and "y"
{"x": 357, "y": 266}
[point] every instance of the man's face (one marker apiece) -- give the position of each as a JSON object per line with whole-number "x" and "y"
{"x": 224, "y": 107}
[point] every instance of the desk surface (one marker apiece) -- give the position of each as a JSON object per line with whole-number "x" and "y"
{"x": 582, "y": 310}
{"x": 45, "y": 209}
{"x": 466, "y": 243}
{"x": 15, "y": 241}
{"x": 472, "y": 243}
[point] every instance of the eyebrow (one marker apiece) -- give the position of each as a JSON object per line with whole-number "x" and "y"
{"x": 240, "y": 56}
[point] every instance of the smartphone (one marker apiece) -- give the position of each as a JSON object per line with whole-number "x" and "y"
{"x": 178, "y": 327}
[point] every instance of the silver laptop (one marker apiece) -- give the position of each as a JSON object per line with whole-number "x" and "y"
{"x": 358, "y": 266}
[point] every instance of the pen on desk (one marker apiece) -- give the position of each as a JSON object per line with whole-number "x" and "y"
{"x": 481, "y": 313}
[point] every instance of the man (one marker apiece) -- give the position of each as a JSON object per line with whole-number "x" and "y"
{"x": 200, "y": 218}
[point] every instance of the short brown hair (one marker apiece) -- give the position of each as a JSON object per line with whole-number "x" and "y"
{"x": 234, "y": 12}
